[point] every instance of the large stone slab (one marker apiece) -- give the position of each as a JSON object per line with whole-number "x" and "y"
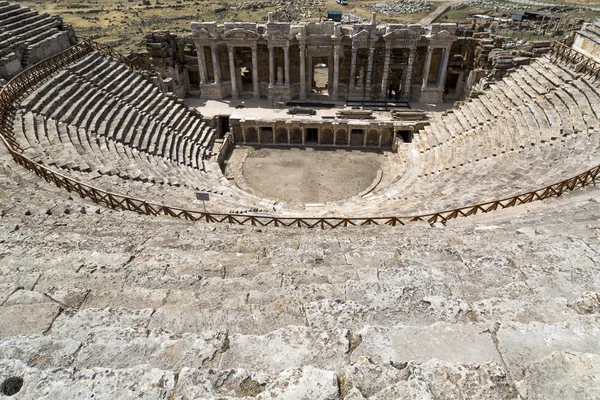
{"x": 127, "y": 347}
{"x": 98, "y": 383}
{"x": 196, "y": 383}
{"x": 437, "y": 379}
{"x": 290, "y": 347}
{"x": 523, "y": 344}
{"x": 77, "y": 324}
{"x": 461, "y": 343}
{"x": 248, "y": 319}
{"x": 303, "y": 383}
{"x": 128, "y": 297}
{"x": 39, "y": 351}
{"x": 563, "y": 375}
{"x": 27, "y": 319}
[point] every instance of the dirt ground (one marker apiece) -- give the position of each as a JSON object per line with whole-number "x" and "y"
{"x": 309, "y": 175}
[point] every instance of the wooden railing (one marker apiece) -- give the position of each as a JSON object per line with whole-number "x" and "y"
{"x": 585, "y": 65}
{"x": 28, "y": 79}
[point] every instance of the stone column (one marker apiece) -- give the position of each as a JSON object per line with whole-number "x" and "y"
{"x": 349, "y": 135}
{"x": 334, "y": 127}
{"x": 202, "y": 65}
{"x": 310, "y": 74}
{"x": 286, "y": 65}
{"x": 409, "y": 72}
{"x": 365, "y": 134}
{"x": 443, "y": 67}
{"x": 427, "y": 66}
{"x": 255, "y": 90}
{"x": 216, "y": 63}
{"x": 370, "y": 67}
{"x": 243, "y": 131}
{"x": 274, "y": 134}
{"x": 319, "y": 137}
{"x": 336, "y": 71}
{"x": 232, "y": 72}
{"x": 303, "y": 130}
{"x": 353, "y": 69}
{"x": 271, "y": 66}
{"x": 380, "y": 137}
{"x": 302, "y": 71}
{"x": 386, "y": 72}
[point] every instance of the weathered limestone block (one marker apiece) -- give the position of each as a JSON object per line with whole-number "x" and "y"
{"x": 126, "y": 348}
{"x": 563, "y": 375}
{"x": 330, "y": 314}
{"x": 132, "y": 298}
{"x": 406, "y": 303}
{"x": 98, "y": 383}
{"x": 39, "y": 351}
{"x": 26, "y": 312}
{"x": 290, "y": 347}
{"x": 436, "y": 379}
{"x": 68, "y": 297}
{"x": 369, "y": 377}
{"x": 254, "y": 319}
{"x": 523, "y": 344}
{"x": 463, "y": 343}
{"x": 303, "y": 383}
{"x": 206, "y": 384}
{"x": 587, "y": 303}
{"x": 77, "y": 324}
{"x": 525, "y": 309}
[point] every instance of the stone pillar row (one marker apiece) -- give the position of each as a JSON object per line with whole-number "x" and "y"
{"x": 306, "y": 59}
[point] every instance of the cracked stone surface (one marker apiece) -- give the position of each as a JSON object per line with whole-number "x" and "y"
{"x": 122, "y": 306}
{"x": 552, "y": 377}
{"x": 141, "y": 381}
{"x": 463, "y": 343}
{"x": 286, "y": 348}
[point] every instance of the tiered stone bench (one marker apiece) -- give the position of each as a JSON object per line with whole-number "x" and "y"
{"x": 112, "y": 305}
{"x": 27, "y": 37}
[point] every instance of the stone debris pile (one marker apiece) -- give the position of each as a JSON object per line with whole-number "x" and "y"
{"x": 490, "y": 4}
{"x": 400, "y": 7}
{"x": 288, "y": 11}
{"x": 349, "y": 18}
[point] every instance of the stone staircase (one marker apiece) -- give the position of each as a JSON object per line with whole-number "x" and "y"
{"x": 106, "y": 304}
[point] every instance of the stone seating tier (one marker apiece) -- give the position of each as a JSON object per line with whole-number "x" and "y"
{"x": 105, "y": 304}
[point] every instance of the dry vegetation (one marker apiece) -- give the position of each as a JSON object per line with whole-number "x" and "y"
{"x": 122, "y": 23}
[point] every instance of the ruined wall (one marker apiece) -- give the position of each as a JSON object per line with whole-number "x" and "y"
{"x": 29, "y": 37}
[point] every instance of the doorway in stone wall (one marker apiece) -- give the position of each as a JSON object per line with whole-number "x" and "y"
{"x": 398, "y": 61}
{"x": 312, "y": 135}
{"x": 243, "y": 63}
{"x": 320, "y": 74}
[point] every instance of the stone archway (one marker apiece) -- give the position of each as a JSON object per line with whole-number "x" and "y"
{"x": 341, "y": 137}
{"x": 327, "y": 136}
{"x": 373, "y": 138}
{"x": 296, "y": 136}
{"x": 281, "y": 135}
{"x": 251, "y": 135}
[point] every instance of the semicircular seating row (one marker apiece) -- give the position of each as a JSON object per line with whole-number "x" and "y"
{"x": 536, "y": 127}
{"x": 101, "y": 123}
{"x": 24, "y": 30}
{"x": 109, "y": 127}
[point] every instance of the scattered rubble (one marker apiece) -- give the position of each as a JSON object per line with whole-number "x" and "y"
{"x": 400, "y": 7}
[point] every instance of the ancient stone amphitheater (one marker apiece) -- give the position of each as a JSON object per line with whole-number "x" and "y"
{"x": 473, "y": 273}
